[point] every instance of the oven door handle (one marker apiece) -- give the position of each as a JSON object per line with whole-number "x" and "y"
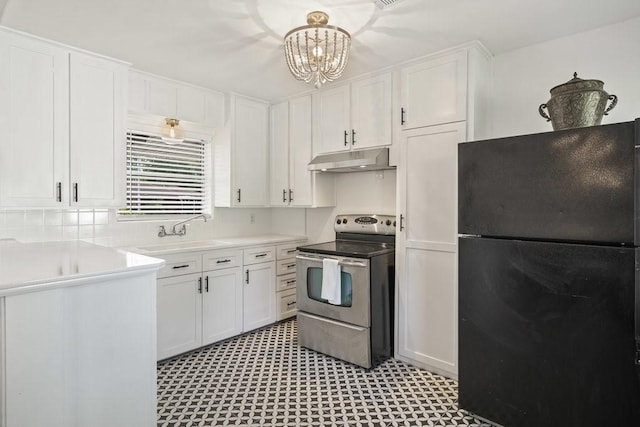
{"x": 344, "y": 263}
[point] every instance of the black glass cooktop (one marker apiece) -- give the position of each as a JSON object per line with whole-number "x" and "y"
{"x": 356, "y": 249}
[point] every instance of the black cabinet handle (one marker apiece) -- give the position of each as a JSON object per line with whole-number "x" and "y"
{"x": 58, "y": 192}
{"x": 345, "y": 138}
{"x": 284, "y": 195}
{"x": 75, "y": 191}
{"x": 402, "y": 120}
{"x": 291, "y": 251}
{"x": 290, "y": 304}
{"x": 353, "y": 137}
{"x": 239, "y": 194}
{"x": 206, "y": 283}
{"x": 175, "y": 267}
{"x": 247, "y": 280}
{"x": 199, "y": 285}
{"x": 291, "y": 282}
{"x": 222, "y": 261}
{"x": 401, "y": 222}
{"x": 290, "y": 195}
{"x": 261, "y": 255}
{"x": 291, "y": 266}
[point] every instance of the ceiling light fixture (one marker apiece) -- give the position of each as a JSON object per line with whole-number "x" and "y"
{"x": 317, "y": 52}
{"x": 172, "y": 135}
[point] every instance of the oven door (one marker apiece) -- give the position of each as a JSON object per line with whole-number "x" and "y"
{"x": 354, "y": 275}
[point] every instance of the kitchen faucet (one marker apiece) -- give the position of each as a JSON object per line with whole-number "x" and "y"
{"x": 182, "y": 230}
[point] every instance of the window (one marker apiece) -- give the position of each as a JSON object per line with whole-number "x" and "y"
{"x": 166, "y": 179}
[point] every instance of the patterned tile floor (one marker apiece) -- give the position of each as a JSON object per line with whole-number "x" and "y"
{"x": 264, "y": 378}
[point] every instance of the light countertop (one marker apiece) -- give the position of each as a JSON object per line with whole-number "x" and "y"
{"x": 34, "y": 266}
{"x": 176, "y": 246}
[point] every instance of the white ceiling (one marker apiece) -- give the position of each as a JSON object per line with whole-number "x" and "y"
{"x": 236, "y": 45}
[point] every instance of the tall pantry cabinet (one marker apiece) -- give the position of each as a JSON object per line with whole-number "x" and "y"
{"x": 62, "y": 112}
{"x": 441, "y": 103}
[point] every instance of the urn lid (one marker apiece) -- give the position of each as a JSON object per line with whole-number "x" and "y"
{"x": 577, "y": 84}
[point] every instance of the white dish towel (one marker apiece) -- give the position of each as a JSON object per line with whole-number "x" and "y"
{"x": 331, "y": 281}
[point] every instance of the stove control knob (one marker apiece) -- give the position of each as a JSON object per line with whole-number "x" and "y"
{"x": 344, "y": 221}
{"x": 339, "y": 221}
{"x": 388, "y": 222}
{"x": 394, "y": 223}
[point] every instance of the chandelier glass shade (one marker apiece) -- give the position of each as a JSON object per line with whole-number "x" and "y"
{"x": 317, "y": 52}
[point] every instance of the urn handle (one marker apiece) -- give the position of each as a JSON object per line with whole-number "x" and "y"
{"x": 614, "y": 102}
{"x": 542, "y": 113}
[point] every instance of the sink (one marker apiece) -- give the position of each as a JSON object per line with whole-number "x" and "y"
{"x": 176, "y": 246}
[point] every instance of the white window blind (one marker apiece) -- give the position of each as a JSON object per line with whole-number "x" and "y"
{"x": 165, "y": 179}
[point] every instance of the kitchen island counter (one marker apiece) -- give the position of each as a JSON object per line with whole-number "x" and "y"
{"x": 78, "y": 336}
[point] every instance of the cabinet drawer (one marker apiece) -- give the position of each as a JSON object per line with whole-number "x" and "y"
{"x": 287, "y": 282}
{"x": 287, "y": 250}
{"x": 221, "y": 259}
{"x": 285, "y": 266}
{"x": 179, "y": 264}
{"x": 256, "y": 255}
{"x": 286, "y": 304}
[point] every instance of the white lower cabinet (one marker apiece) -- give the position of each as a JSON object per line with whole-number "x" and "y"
{"x": 259, "y": 308}
{"x": 202, "y": 307}
{"x": 221, "y": 305}
{"x": 179, "y": 314}
{"x": 205, "y": 297}
{"x": 426, "y": 248}
{"x": 286, "y": 280}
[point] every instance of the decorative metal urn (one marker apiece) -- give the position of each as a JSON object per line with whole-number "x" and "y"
{"x": 577, "y": 103}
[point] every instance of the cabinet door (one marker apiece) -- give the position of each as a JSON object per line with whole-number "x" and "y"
{"x": 334, "y": 130}
{"x": 279, "y": 148}
{"x": 434, "y": 91}
{"x": 179, "y": 314}
{"x": 191, "y": 104}
{"x": 221, "y": 304}
{"x": 300, "y": 151}
{"x": 34, "y": 118}
{"x": 427, "y": 247}
{"x": 162, "y": 98}
{"x": 97, "y": 131}
{"x": 251, "y": 152}
{"x": 259, "y": 307}
{"x": 371, "y": 112}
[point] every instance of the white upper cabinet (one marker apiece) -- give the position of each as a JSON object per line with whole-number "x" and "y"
{"x": 63, "y": 112}
{"x": 371, "y": 112}
{"x": 434, "y": 91}
{"x": 249, "y": 152}
{"x": 97, "y": 144}
{"x": 169, "y": 98}
{"x": 354, "y": 116}
{"x": 292, "y": 184}
{"x": 279, "y": 154}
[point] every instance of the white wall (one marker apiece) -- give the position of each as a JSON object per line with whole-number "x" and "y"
{"x": 523, "y": 77}
{"x": 356, "y": 193}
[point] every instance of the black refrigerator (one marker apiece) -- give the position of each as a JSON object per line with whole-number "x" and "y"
{"x": 549, "y": 289}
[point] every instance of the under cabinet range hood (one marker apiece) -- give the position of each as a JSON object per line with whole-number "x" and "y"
{"x": 352, "y": 161}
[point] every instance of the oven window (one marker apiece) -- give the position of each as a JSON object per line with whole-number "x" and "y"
{"x": 314, "y": 286}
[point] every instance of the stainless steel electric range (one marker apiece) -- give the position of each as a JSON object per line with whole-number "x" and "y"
{"x": 358, "y": 326}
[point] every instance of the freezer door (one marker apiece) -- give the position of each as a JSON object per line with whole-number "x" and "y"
{"x": 571, "y": 185}
{"x": 546, "y": 333}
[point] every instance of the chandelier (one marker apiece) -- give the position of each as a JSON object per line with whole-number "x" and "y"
{"x": 317, "y": 52}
